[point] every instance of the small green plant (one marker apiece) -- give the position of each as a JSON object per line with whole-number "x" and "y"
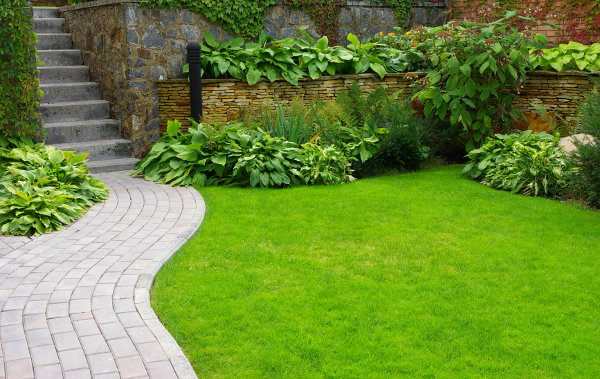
{"x": 295, "y": 125}
{"x": 587, "y": 155}
{"x": 323, "y": 164}
{"x": 528, "y": 163}
{"x": 570, "y": 56}
{"x": 42, "y": 188}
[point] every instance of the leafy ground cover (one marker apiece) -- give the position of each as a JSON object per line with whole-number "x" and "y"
{"x": 421, "y": 274}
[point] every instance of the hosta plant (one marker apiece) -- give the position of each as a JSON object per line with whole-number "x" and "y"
{"x": 42, "y": 188}
{"x": 527, "y": 163}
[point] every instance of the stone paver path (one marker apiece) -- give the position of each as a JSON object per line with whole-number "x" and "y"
{"x": 75, "y": 303}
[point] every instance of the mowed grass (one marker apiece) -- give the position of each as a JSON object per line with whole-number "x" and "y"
{"x": 424, "y": 274}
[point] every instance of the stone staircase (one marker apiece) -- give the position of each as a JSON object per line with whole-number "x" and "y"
{"x": 75, "y": 116}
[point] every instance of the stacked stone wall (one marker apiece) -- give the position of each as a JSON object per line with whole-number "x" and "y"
{"x": 128, "y": 48}
{"x": 226, "y": 100}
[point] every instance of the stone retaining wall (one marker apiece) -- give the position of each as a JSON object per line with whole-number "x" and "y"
{"x": 128, "y": 47}
{"x": 224, "y": 99}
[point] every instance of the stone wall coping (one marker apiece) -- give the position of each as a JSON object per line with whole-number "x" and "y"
{"x": 371, "y": 75}
{"x": 361, "y": 3}
{"x": 94, "y": 4}
{"x": 356, "y": 76}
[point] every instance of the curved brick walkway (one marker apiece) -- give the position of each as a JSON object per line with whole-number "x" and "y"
{"x": 75, "y": 303}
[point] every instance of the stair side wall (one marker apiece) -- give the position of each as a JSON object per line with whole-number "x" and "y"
{"x": 128, "y": 48}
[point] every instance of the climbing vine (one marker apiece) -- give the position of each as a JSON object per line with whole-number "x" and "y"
{"x": 19, "y": 86}
{"x": 568, "y": 14}
{"x": 245, "y": 18}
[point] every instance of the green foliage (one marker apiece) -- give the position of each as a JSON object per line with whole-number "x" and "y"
{"x": 587, "y": 156}
{"x": 526, "y": 163}
{"x": 325, "y": 164}
{"x": 290, "y": 59}
{"x": 235, "y": 155}
{"x": 42, "y": 188}
{"x": 571, "y": 56}
{"x": 19, "y": 86}
{"x": 295, "y": 125}
{"x": 476, "y": 69}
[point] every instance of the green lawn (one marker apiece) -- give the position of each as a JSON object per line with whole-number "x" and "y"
{"x": 424, "y": 274}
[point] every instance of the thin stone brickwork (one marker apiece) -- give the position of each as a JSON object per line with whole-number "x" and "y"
{"x": 75, "y": 303}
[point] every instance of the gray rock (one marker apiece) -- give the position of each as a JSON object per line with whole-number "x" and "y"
{"x": 174, "y": 67}
{"x": 153, "y": 39}
{"x": 387, "y": 14}
{"x": 215, "y": 31}
{"x": 345, "y": 16}
{"x": 168, "y": 18}
{"x": 156, "y": 72}
{"x": 171, "y": 33}
{"x": 569, "y": 143}
{"x": 135, "y": 73}
{"x": 139, "y": 62}
{"x": 289, "y": 32}
{"x": 190, "y": 33}
{"x": 131, "y": 14}
{"x": 153, "y": 125}
{"x": 132, "y": 36}
{"x": 187, "y": 17}
{"x": 137, "y": 85}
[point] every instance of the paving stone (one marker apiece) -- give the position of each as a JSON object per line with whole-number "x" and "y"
{"x": 22, "y": 369}
{"x": 49, "y": 371}
{"x": 72, "y": 359}
{"x": 77, "y": 300}
{"x": 94, "y": 344}
{"x": 44, "y": 355}
{"x": 66, "y": 341}
{"x": 131, "y": 367}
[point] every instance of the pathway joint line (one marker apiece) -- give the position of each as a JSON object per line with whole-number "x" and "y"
{"x": 77, "y": 301}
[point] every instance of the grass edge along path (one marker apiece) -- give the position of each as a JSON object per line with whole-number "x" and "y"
{"x": 408, "y": 275}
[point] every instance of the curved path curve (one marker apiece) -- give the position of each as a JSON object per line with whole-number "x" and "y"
{"x": 75, "y": 303}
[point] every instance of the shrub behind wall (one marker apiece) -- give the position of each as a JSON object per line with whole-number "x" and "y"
{"x": 19, "y": 86}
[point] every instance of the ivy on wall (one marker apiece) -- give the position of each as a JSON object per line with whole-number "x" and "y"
{"x": 19, "y": 86}
{"x": 567, "y": 13}
{"x": 245, "y": 18}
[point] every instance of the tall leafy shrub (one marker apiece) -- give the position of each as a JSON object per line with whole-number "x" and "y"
{"x": 19, "y": 86}
{"x": 587, "y": 156}
{"x": 477, "y": 69}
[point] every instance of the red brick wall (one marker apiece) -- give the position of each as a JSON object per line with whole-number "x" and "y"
{"x": 571, "y": 17}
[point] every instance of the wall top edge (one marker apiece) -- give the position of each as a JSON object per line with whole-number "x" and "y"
{"x": 365, "y": 76}
{"x": 353, "y": 3}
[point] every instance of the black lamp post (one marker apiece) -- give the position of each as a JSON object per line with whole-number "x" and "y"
{"x": 194, "y": 59}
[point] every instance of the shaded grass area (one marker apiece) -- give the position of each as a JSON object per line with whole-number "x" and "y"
{"x": 416, "y": 274}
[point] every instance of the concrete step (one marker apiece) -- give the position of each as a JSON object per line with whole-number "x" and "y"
{"x": 65, "y": 92}
{"x": 64, "y": 74}
{"x": 100, "y": 150}
{"x": 45, "y": 12}
{"x": 82, "y": 131}
{"x": 49, "y": 25}
{"x": 75, "y": 111}
{"x": 122, "y": 164}
{"x": 54, "y": 41}
{"x": 60, "y": 57}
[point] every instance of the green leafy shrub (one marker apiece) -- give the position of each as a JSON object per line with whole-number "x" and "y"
{"x": 587, "y": 156}
{"x": 325, "y": 164}
{"x": 19, "y": 86}
{"x": 42, "y": 188}
{"x": 234, "y": 154}
{"x": 527, "y": 163}
{"x": 476, "y": 70}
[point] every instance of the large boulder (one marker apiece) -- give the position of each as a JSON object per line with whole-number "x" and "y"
{"x": 568, "y": 143}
